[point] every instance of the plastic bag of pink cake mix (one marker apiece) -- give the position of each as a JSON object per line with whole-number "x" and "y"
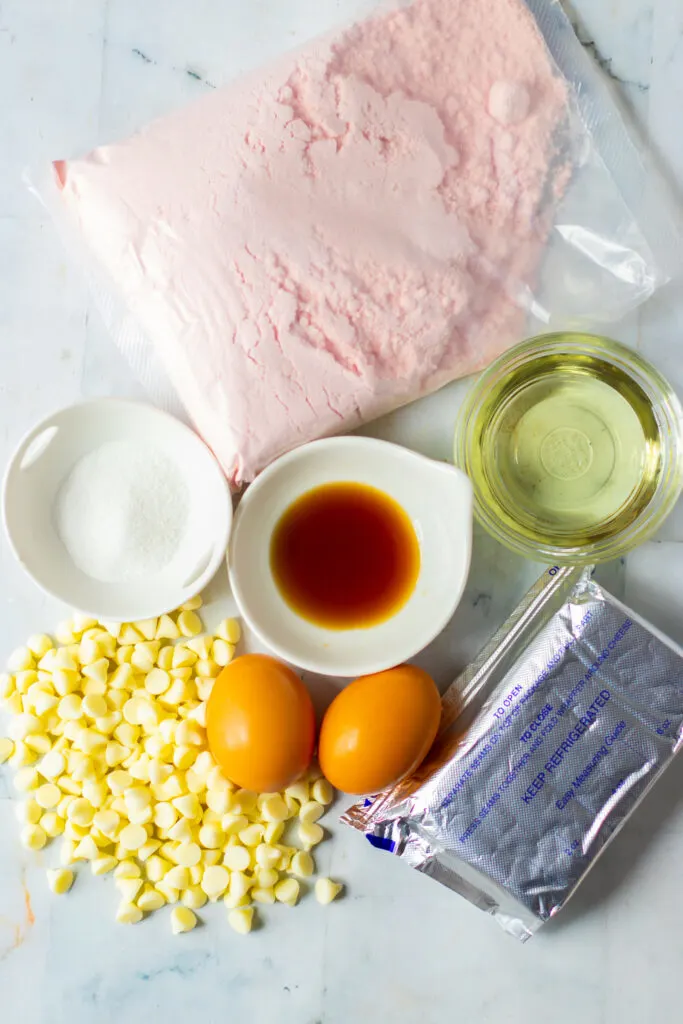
{"x": 367, "y": 219}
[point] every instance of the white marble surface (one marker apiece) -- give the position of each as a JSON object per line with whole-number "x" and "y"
{"x": 398, "y": 946}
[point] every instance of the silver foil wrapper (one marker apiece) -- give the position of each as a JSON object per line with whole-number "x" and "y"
{"x": 548, "y": 742}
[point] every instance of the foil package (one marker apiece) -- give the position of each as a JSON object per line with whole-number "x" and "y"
{"x": 548, "y": 742}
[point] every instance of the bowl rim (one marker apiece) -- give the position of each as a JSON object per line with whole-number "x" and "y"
{"x": 289, "y": 652}
{"x": 76, "y": 409}
{"x": 666, "y": 402}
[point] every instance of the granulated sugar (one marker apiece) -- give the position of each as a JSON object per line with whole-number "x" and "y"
{"x": 123, "y": 511}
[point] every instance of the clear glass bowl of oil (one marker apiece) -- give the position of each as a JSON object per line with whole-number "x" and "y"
{"x": 574, "y": 445}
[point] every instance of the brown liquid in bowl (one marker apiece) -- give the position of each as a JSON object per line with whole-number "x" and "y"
{"x": 345, "y": 556}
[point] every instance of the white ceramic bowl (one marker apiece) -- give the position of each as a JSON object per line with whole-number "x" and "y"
{"x": 43, "y": 462}
{"x": 437, "y": 498}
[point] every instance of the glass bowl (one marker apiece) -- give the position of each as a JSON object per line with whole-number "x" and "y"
{"x": 573, "y": 444}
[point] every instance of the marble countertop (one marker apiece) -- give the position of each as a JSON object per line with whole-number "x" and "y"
{"x": 398, "y": 946}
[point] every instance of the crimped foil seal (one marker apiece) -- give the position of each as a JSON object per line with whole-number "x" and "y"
{"x": 548, "y": 742}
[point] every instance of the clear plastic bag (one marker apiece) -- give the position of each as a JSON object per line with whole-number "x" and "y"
{"x": 367, "y": 219}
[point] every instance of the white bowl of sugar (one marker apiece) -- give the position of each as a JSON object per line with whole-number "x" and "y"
{"x": 117, "y": 508}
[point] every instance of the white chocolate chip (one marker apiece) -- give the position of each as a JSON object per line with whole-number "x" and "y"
{"x": 39, "y": 644}
{"x": 267, "y": 856}
{"x": 215, "y": 881}
{"x": 230, "y": 631}
{"x": 127, "y": 869}
{"x": 20, "y": 659}
{"x": 128, "y": 913}
{"x": 129, "y": 888}
{"x": 222, "y": 652}
{"x": 48, "y": 795}
{"x": 322, "y": 791}
{"x": 287, "y": 891}
{"x": 151, "y": 899}
{"x": 94, "y": 706}
{"x": 182, "y": 920}
{"x": 132, "y": 837}
{"x": 263, "y": 895}
{"x": 310, "y": 834}
{"x": 241, "y": 920}
{"x": 189, "y": 623}
{"x": 251, "y": 835}
{"x": 103, "y": 865}
{"x": 311, "y": 811}
{"x": 6, "y": 749}
{"x": 302, "y": 864}
{"x": 33, "y": 837}
{"x": 59, "y": 880}
{"x": 26, "y": 779}
{"x": 52, "y": 824}
{"x": 157, "y": 681}
{"x": 193, "y": 897}
{"x": 326, "y": 890}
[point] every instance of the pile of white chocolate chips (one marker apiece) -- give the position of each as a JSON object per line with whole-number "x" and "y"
{"x": 108, "y": 744}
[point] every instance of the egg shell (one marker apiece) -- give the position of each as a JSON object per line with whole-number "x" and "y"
{"x": 379, "y": 729}
{"x": 260, "y": 723}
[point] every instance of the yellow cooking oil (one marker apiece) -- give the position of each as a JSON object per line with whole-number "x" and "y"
{"x": 569, "y": 446}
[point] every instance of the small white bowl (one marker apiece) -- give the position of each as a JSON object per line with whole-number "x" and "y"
{"x": 437, "y": 498}
{"x": 43, "y": 462}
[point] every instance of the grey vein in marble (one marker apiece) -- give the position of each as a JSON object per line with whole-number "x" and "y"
{"x": 606, "y": 63}
{"x": 190, "y": 72}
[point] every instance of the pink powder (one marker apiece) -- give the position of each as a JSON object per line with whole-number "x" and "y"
{"x": 342, "y": 233}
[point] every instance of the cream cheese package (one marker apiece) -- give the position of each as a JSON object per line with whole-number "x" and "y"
{"x": 548, "y": 742}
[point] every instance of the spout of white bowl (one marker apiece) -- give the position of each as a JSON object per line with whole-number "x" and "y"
{"x": 455, "y": 489}
{"x": 452, "y": 490}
